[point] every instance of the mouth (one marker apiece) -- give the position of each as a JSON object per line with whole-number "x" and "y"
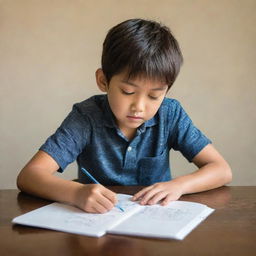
{"x": 135, "y": 117}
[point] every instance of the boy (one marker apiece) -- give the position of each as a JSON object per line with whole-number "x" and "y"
{"x": 124, "y": 136}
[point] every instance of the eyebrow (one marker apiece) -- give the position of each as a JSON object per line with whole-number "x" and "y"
{"x": 135, "y": 85}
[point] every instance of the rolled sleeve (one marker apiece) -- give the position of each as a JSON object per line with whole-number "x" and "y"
{"x": 185, "y": 136}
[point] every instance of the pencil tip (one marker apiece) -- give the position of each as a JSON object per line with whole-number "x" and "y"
{"x": 120, "y": 208}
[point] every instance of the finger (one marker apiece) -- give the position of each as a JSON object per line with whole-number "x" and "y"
{"x": 110, "y": 195}
{"x": 157, "y": 197}
{"x": 141, "y": 193}
{"x": 147, "y": 196}
{"x": 92, "y": 206}
{"x": 105, "y": 202}
{"x": 98, "y": 208}
{"x": 107, "y": 193}
{"x": 169, "y": 198}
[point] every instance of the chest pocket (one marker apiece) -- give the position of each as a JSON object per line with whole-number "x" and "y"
{"x": 154, "y": 169}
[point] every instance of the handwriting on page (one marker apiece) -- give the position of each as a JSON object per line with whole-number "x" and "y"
{"x": 89, "y": 220}
{"x": 127, "y": 205}
{"x": 165, "y": 214}
{"x": 99, "y": 220}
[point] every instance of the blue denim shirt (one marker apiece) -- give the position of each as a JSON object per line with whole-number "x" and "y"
{"x": 90, "y": 135}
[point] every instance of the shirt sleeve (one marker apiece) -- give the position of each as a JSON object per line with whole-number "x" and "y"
{"x": 70, "y": 138}
{"x": 184, "y": 136}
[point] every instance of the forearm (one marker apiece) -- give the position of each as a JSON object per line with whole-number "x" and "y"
{"x": 37, "y": 178}
{"x": 37, "y": 182}
{"x": 213, "y": 172}
{"x": 209, "y": 176}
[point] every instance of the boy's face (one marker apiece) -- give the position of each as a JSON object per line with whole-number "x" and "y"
{"x": 132, "y": 101}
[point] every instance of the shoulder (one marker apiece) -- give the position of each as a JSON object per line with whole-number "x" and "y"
{"x": 170, "y": 107}
{"x": 87, "y": 112}
{"x": 173, "y": 115}
{"x": 170, "y": 102}
{"x": 91, "y": 109}
{"x": 91, "y": 105}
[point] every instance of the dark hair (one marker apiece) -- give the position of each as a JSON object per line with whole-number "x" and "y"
{"x": 142, "y": 48}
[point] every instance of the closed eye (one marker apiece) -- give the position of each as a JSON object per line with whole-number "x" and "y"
{"x": 127, "y": 93}
{"x": 152, "y": 97}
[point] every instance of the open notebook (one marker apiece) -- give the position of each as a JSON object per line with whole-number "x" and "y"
{"x": 173, "y": 221}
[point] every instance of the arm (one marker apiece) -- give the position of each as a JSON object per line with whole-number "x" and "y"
{"x": 213, "y": 172}
{"x": 37, "y": 178}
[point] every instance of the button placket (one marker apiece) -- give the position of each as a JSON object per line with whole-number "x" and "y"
{"x": 130, "y": 156}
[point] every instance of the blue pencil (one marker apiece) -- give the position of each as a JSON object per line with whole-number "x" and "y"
{"x": 96, "y": 182}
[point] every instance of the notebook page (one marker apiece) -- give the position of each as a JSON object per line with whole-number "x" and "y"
{"x": 70, "y": 219}
{"x": 173, "y": 221}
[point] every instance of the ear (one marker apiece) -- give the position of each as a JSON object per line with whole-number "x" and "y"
{"x": 101, "y": 80}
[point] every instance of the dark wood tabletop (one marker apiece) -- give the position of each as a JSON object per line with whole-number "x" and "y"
{"x": 230, "y": 230}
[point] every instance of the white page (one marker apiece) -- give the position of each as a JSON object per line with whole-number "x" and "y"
{"x": 70, "y": 219}
{"x": 173, "y": 221}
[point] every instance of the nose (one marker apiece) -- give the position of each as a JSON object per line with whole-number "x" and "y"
{"x": 138, "y": 105}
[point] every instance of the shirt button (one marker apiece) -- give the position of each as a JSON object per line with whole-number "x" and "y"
{"x": 129, "y": 149}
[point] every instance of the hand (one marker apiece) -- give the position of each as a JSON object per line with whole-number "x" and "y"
{"x": 163, "y": 191}
{"x": 95, "y": 198}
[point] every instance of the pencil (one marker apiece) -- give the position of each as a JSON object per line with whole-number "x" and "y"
{"x": 96, "y": 182}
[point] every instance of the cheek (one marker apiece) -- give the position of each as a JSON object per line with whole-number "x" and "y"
{"x": 153, "y": 108}
{"x": 117, "y": 104}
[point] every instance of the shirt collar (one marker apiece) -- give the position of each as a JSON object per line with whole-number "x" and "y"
{"x": 151, "y": 122}
{"x": 109, "y": 118}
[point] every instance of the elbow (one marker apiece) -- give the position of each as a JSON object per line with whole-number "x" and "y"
{"x": 20, "y": 181}
{"x": 228, "y": 174}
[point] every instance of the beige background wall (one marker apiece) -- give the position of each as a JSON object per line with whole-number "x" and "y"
{"x": 50, "y": 49}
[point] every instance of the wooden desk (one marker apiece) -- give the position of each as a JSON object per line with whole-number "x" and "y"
{"x": 230, "y": 230}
